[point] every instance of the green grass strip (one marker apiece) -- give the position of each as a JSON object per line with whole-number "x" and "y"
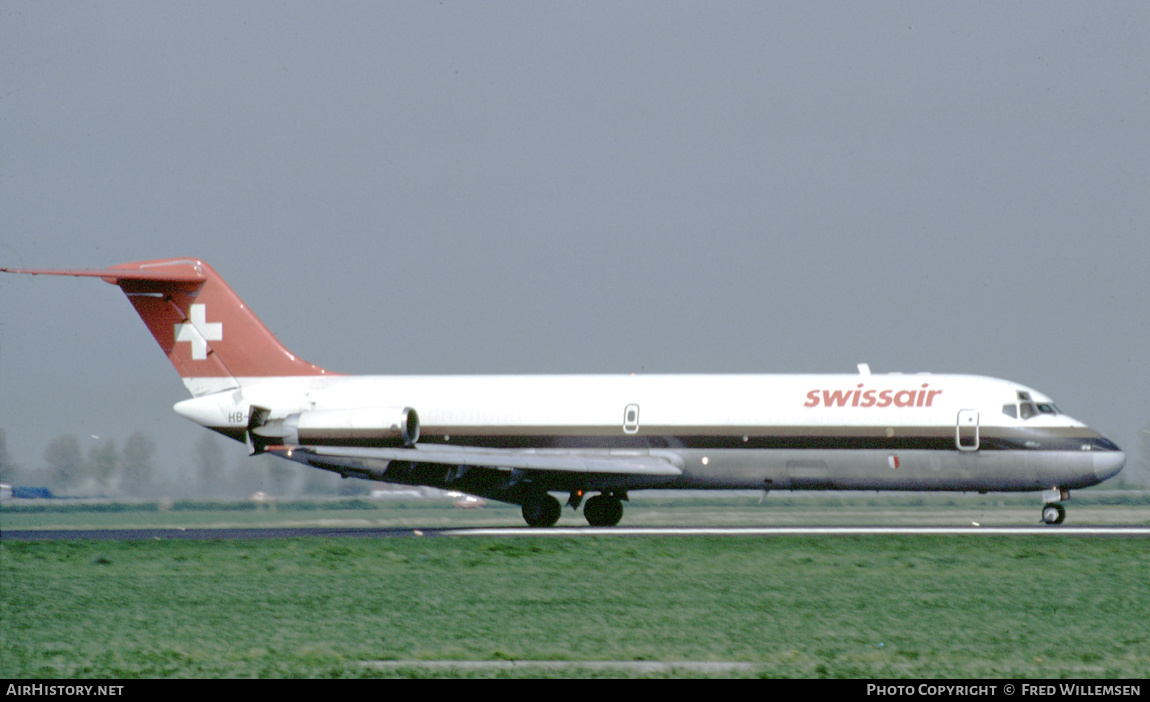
{"x": 865, "y": 606}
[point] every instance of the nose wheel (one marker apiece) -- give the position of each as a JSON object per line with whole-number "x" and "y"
{"x": 1053, "y": 513}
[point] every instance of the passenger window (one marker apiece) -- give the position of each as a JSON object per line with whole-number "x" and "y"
{"x": 1010, "y": 411}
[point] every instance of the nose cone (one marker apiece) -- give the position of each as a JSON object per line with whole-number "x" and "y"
{"x": 1108, "y": 463}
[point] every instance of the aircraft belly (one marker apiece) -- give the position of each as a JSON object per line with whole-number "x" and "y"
{"x": 1006, "y": 471}
{"x": 1072, "y": 469}
{"x": 866, "y": 469}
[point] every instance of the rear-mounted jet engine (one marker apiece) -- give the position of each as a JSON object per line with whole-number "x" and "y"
{"x": 375, "y": 426}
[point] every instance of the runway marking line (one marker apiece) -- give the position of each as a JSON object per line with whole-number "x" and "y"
{"x": 287, "y": 533}
{"x": 798, "y": 531}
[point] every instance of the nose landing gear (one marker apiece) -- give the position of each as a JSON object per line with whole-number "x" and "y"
{"x": 1054, "y": 513}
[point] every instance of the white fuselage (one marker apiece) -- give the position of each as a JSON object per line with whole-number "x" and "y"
{"x": 890, "y": 431}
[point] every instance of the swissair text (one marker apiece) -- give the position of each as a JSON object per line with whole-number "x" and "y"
{"x": 872, "y": 397}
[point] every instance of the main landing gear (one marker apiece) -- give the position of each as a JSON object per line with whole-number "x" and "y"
{"x": 604, "y": 510}
{"x": 541, "y": 510}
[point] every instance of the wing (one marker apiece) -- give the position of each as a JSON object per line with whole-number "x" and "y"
{"x": 374, "y": 462}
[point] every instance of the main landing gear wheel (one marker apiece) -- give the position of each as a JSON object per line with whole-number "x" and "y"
{"x": 603, "y": 510}
{"x": 542, "y": 511}
{"x": 1053, "y": 513}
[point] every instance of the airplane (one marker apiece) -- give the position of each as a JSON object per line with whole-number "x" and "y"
{"x": 519, "y": 438}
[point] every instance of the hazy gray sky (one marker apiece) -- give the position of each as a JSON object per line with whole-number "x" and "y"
{"x": 447, "y": 187}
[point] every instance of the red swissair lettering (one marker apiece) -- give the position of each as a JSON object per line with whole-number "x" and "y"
{"x": 860, "y": 397}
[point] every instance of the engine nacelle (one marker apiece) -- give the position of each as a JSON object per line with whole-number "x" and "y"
{"x": 370, "y": 426}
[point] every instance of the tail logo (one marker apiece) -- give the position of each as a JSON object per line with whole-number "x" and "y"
{"x": 199, "y": 332}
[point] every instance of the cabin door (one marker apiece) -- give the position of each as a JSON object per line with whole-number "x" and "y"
{"x": 966, "y": 431}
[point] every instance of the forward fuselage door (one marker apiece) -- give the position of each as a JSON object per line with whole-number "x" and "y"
{"x": 966, "y": 431}
{"x": 631, "y": 419}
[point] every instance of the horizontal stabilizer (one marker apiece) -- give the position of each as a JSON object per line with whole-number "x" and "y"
{"x": 181, "y": 276}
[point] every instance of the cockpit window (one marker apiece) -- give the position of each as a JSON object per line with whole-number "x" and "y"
{"x": 1026, "y": 410}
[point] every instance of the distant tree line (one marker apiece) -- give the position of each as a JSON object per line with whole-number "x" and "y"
{"x": 105, "y": 469}
{"x": 1142, "y": 460}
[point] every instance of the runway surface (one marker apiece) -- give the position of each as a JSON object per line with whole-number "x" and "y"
{"x": 516, "y": 532}
{"x": 576, "y": 667}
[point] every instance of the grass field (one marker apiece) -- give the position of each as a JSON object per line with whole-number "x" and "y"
{"x": 874, "y": 606}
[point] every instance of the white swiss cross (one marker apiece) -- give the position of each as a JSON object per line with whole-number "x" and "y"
{"x": 199, "y": 332}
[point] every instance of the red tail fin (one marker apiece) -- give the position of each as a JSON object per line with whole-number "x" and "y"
{"x": 204, "y": 328}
